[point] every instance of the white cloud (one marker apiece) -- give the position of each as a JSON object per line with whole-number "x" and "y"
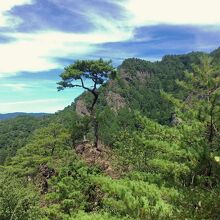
{"x": 36, "y": 51}
{"x": 39, "y": 105}
{"x": 6, "y": 5}
{"x": 193, "y": 12}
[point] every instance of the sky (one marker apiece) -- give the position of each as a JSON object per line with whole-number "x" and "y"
{"x": 38, "y": 38}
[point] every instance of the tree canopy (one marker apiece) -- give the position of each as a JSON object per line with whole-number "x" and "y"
{"x": 98, "y": 71}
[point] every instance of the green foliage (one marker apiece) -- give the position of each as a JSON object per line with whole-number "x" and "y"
{"x": 72, "y": 190}
{"x": 180, "y": 156}
{"x": 137, "y": 199}
{"x": 95, "y": 216}
{"x": 171, "y": 157}
{"x": 46, "y": 143}
{"x": 110, "y": 126}
{"x": 202, "y": 106}
{"x": 20, "y": 129}
{"x": 200, "y": 203}
{"x": 18, "y": 202}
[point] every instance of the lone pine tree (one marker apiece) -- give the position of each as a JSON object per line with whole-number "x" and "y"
{"x": 98, "y": 72}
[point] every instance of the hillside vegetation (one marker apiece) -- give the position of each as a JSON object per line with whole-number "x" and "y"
{"x": 158, "y": 153}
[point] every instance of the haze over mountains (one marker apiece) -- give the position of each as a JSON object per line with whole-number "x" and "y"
{"x": 16, "y": 114}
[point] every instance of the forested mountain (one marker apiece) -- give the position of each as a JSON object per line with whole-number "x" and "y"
{"x": 158, "y": 148}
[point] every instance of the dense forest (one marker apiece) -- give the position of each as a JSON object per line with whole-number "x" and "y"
{"x": 142, "y": 143}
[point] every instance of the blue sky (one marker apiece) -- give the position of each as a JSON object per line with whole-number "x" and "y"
{"x": 38, "y": 38}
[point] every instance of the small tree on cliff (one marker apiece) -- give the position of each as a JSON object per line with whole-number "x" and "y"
{"x": 98, "y": 72}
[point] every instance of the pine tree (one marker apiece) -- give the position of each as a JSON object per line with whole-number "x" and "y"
{"x": 98, "y": 72}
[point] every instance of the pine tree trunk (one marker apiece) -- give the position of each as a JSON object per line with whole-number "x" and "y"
{"x": 96, "y": 133}
{"x": 95, "y": 122}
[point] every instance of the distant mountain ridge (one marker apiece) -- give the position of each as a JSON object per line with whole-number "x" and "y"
{"x": 16, "y": 114}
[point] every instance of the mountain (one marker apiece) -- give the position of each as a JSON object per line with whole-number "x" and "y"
{"x": 137, "y": 87}
{"x": 16, "y": 114}
{"x": 158, "y": 157}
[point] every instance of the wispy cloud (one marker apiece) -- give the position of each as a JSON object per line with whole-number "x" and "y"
{"x": 36, "y": 51}
{"x": 41, "y": 36}
{"x": 38, "y": 101}
{"x": 15, "y": 86}
{"x": 52, "y": 105}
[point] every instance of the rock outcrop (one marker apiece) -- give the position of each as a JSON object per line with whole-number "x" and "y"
{"x": 115, "y": 101}
{"x": 81, "y": 108}
{"x": 101, "y": 157}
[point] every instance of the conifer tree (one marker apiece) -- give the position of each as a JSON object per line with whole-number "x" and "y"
{"x": 203, "y": 86}
{"x": 202, "y": 105}
{"x": 98, "y": 72}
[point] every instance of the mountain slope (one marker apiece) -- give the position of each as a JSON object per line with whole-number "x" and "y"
{"x": 16, "y": 132}
{"x": 137, "y": 88}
